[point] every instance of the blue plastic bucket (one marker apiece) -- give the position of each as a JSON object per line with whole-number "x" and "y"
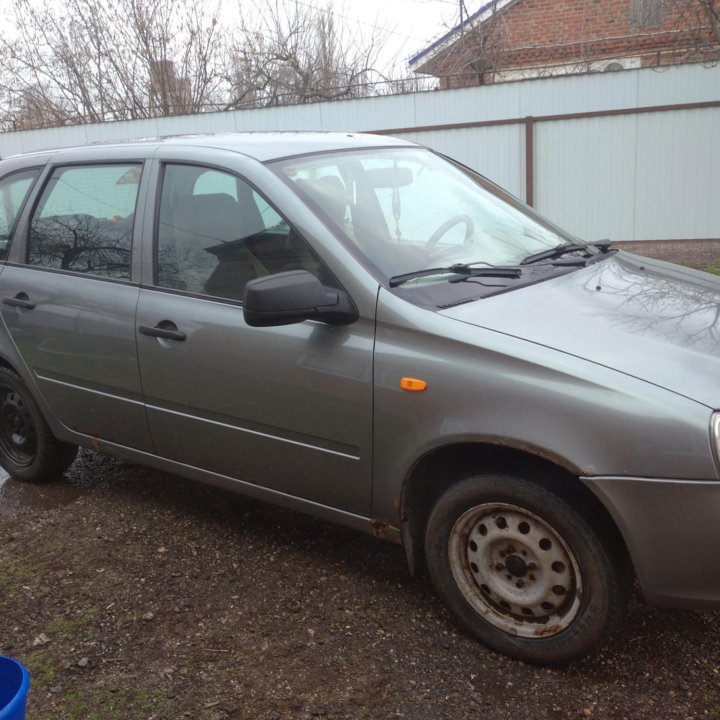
{"x": 14, "y": 686}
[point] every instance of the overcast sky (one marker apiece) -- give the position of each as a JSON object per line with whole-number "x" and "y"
{"x": 411, "y": 24}
{"x": 408, "y": 25}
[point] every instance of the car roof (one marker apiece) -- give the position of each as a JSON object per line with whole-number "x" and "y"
{"x": 263, "y": 146}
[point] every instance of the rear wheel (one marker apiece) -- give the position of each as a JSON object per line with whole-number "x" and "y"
{"x": 523, "y": 571}
{"x": 28, "y": 449}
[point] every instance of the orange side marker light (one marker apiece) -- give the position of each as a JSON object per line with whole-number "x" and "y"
{"x": 412, "y": 384}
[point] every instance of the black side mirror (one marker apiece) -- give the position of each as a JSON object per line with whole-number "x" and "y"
{"x": 291, "y": 297}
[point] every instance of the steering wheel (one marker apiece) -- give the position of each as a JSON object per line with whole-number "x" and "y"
{"x": 451, "y": 223}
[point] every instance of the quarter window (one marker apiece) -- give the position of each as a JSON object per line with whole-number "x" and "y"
{"x": 84, "y": 220}
{"x": 13, "y": 191}
{"x": 215, "y": 233}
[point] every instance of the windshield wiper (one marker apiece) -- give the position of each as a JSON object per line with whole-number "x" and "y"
{"x": 565, "y": 249}
{"x": 459, "y": 269}
{"x": 552, "y": 253}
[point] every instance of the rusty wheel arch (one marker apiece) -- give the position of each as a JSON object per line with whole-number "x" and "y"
{"x": 442, "y": 467}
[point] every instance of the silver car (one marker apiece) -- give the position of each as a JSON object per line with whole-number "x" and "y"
{"x": 357, "y": 328}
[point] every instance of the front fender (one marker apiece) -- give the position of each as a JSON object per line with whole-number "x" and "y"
{"x": 486, "y": 387}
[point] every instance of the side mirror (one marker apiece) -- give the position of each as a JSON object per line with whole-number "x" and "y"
{"x": 291, "y": 297}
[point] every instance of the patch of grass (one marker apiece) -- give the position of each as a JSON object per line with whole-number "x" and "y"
{"x": 73, "y": 705}
{"x": 87, "y": 703}
{"x": 17, "y": 572}
{"x": 41, "y": 668}
{"x": 62, "y": 629}
{"x": 41, "y": 661}
{"x": 122, "y": 705}
{"x": 715, "y": 269}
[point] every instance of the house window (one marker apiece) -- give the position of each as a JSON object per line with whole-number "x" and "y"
{"x": 646, "y": 13}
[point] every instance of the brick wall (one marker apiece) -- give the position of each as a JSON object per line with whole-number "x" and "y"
{"x": 578, "y": 30}
{"x": 539, "y": 33}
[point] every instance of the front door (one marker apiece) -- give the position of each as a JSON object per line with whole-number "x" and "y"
{"x": 287, "y": 408}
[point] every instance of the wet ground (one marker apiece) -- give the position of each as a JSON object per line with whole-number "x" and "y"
{"x": 132, "y": 594}
{"x": 18, "y": 498}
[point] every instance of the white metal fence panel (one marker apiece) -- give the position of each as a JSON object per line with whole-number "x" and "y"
{"x": 624, "y": 176}
{"x": 649, "y": 176}
{"x": 586, "y": 175}
{"x": 498, "y": 152}
{"x": 678, "y": 175}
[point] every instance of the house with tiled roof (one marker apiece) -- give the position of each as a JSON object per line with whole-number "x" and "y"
{"x": 517, "y": 39}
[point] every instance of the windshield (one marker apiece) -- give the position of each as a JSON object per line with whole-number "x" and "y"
{"x": 407, "y": 210}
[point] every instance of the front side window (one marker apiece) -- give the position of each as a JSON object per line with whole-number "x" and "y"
{"x": 13, "y": 191}
{"x": 84, "y": 220}
{"x": 215, "y": 233}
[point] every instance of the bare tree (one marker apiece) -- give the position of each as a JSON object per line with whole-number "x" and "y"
{"x": 712, "y": 13}
{"x": 96, "y": 60}
{"x": 697, "y": 25}
{"x": 479, "y": 42}
{"x": 91, "y": 61}
{"x": 293, "y": 52}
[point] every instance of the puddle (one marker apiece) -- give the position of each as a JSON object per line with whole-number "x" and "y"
{"x": 18, "y": 497}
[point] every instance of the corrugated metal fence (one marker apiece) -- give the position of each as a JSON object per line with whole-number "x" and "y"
{"x": 631, "y": 155}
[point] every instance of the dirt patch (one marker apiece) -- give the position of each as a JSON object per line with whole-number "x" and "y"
{"x": 131, "y": 594}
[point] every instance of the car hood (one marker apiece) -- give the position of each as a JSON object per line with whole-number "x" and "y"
{"x": 655, "y": 321}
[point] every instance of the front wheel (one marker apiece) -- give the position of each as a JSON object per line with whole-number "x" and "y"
{"x": 522, "y": 570}
{"x": 28, "y": 449}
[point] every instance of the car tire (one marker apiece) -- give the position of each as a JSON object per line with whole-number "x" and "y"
{"x": 28, "y": 449}
{"x": 523, "y": 571}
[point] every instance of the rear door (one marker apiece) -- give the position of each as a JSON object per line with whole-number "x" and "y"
{"x": 287, "y": 408}
{"x": 69, "y": 299}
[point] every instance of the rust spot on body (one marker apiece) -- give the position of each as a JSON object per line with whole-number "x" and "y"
{"x": 95, "y": 443}
{"x": 547, "y": 630}
{"x": 385, "y": 531}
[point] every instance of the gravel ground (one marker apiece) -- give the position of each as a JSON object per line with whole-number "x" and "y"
{"x": 132, "y": 594}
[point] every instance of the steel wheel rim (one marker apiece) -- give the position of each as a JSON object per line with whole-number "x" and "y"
{"x": 515, "y": 570}
{"x": 18, "y": 438}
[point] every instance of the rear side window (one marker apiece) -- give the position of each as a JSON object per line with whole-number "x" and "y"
{"x": 84, "y": 220}
{"x": 13, "y": 191}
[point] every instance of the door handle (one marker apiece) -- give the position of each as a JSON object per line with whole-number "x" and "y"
{"x": 168, "y": 332}
{"x": 21, "y": 300}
